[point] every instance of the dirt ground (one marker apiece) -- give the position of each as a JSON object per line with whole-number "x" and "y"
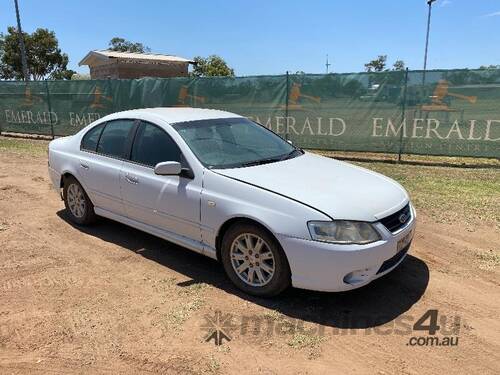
{"x": 111, "y": 299}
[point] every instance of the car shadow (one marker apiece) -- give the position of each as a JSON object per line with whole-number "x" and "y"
{"x": 375, "y": 304}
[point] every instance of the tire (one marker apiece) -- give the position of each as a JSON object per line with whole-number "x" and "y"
{"x": 78, "y": 205}
{"x": 264, "y": 269}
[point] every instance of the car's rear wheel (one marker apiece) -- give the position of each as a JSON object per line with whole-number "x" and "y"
{"x": 254, "y": 261}
{"x": 78, "y": 205}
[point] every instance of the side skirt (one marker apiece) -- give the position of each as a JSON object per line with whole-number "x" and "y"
{"x": 163, "y": 234}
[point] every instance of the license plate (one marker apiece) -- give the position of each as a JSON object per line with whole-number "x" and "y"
{"x": 403, "y": 242}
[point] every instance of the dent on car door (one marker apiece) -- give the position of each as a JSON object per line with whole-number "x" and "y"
{"x": 101, "y": 159}
{"x": 170, "y": 203}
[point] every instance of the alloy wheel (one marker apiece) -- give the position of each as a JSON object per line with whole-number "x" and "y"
{"x": 76, "y": 200}
{"x": 252, "y": 259}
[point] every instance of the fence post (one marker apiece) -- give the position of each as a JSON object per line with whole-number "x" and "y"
{"x": 110, "y": 89}
{"x": 50, "y": 109}
{"x": 286, "y": 104}
{"x": 403, "y": 110}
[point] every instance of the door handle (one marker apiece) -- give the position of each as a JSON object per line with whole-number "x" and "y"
{"x": 131, "y": 180}
{"x": 84, "y": 166}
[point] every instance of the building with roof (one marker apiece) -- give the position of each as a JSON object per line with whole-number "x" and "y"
{"x": 112, "y": 64}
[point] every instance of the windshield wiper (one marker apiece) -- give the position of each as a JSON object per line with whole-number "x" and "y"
{"x": 291, "y": 153}
{"x": 260, "y": 162}
{"x": 273, "y": 159}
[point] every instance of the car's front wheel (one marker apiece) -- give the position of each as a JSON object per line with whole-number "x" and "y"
{"x": 254, "y": 261}
{"x": 78, "y": 205}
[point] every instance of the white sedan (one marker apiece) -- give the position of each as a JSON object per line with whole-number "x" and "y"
{"x": 229, "y": 188}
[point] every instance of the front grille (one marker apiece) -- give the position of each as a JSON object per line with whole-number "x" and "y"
{"x": 393, "y": 222}
{"x": 389, "y": 263}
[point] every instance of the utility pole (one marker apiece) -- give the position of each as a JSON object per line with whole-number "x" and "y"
{"x": 429, "y": 3}
{"x": 21, "y": 44}
{"x": 327, "y": 64}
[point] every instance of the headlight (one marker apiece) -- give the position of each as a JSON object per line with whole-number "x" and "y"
{"x": 343, "y": 231}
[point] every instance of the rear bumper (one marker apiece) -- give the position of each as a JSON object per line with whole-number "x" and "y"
{"x": 333, "y": 268}
{"x": 55, "y": 178}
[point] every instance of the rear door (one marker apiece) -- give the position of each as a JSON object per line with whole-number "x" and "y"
{"x": 104, "y": 148}
{"x": 170, "y": 203}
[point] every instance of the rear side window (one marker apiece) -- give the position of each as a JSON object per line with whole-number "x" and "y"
{"x": 114, "y": 138}
{"x": 89, "y": 141}
{"x": 153, "y": 145}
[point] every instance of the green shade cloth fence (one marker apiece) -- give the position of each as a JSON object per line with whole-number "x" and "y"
{"x": 453, "y": 113}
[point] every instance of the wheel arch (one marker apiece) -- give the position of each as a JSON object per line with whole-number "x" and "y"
{"x": 240, "y": 219}
{"x": 68, "y": 174}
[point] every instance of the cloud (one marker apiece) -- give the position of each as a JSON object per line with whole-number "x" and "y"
{"x": 494, "y": 14}
{"x": 446, "y": 3}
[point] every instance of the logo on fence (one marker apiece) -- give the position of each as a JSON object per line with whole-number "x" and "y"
{"x": 99, "y": 97}
{"x": 296, "y": 98}
{"x": 440, "y": 99}
{"x": 184, "y": 98}
{"x": 29, "y": 98}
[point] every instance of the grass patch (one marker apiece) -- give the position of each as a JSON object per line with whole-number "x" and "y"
{"x": 427, "y": 159}
{"x": 488, "y": 260}
{"x": 274, "y": 315}
{"x": 194, "y": 289}
{"x": 213, "y": 365}
{"x": 3, "y": 226}
{"x": 285, "y": 325}
{"x": 27, "y": 146}
{"x": 302, "y": 340}
{"x": 182, "y": 312}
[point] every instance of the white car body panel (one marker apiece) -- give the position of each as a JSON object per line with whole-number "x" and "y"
{"x": 282, "y": 196}
{"x": 237, "y": 199}
{"x": 101, "y": 178}
{"x": 162, "y": 201}
{"x": 334, "y": 184}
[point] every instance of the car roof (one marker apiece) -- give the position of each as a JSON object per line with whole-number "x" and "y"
{"x": 172, "y": 114}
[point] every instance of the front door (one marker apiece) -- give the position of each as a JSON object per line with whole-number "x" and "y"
{"x": 170, "y": 203}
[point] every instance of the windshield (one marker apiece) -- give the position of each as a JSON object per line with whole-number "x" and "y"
{"x": 234, "y": 142}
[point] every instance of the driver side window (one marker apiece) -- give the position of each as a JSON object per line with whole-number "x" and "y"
{"x": 153, "y": 145}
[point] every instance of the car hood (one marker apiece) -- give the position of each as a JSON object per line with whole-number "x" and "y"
{"x": 338, "y": 189}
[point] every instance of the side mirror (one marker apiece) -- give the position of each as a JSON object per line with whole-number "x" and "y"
{"x": 168, "y": 168}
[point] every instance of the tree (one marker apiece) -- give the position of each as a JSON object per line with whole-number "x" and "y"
{"x": 211, "y": 66}
{"x": 122, "y": 45}
{"x": 398, "y": 65}
{"x": 2, "y": 52}
{"x": 376, "y": 65}
{"x": 44, "y": 57}
{"x": 489, "y": 67}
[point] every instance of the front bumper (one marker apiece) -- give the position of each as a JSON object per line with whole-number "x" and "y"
{"x": 333, "y": 268}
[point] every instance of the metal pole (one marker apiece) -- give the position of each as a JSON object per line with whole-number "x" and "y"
{"x": 429, "y": 2}
{"x": 286, "y": 103}
{"x": 403, "y": 110}
{"x": 50, "y": 109}
{"x": 24, "y": 61}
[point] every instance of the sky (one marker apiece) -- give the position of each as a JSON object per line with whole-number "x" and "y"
{"x": 259, "y": 37}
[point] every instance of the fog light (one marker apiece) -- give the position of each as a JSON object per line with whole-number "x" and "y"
{"x": 358, "y": 276}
